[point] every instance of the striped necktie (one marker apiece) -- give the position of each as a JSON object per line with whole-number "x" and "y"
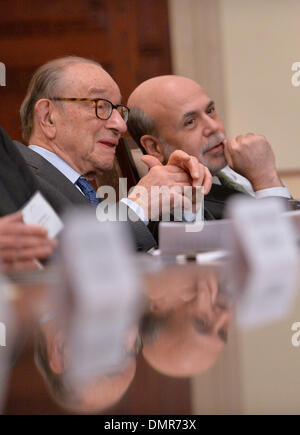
{"x": 227, "y": 182}
{"x": 88, "y": 190}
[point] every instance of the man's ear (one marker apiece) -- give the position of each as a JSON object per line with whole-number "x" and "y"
{"x": 57, "y": 353}
{"x": 44, "y": 116}
{"x": 152, "y": 146}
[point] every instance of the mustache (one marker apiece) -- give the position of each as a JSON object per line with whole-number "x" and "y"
{"x": 213, "y": 140}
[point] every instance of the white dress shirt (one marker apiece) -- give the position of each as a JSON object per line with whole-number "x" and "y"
{"x": 264, "y": 193}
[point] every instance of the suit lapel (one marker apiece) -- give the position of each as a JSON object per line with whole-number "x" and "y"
{"x": 214, "y": 201}
{"x": 56, "y": 178}
{"x": 17, "y": 182}
{"x": 45, "y": 170}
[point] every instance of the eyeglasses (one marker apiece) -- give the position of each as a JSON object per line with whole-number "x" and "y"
{"x": 103, "y": 108}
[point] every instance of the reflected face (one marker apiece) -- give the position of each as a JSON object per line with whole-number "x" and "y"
{"x": 204, "y": 312}
{"x": 195, "y": 292}
{"x": 191, "y": 123}
{"x": 99, "y": 391}
{"x": 186, "y": 345}
{"x": 187, "y": 339}
{"x": 86, "y": 142}
{"x": 198, "y": 313}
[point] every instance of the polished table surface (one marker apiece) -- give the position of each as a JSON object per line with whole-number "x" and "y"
{"x": 185, "y": 337}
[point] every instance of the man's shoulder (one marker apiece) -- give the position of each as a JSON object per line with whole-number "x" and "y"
{"x": 49, "y": 176}
{"x": 32, "y": 158}
{"x": 24, "y": 150}
{"x": 58, "y": 199}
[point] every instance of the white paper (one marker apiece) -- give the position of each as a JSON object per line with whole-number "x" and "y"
{"x": 269, "y": 245}
{"x": 38, "y": 211}
{"x": 103, "y": 279}
{"x": 174, "y": 239}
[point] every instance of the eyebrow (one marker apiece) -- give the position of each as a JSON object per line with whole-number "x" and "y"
{"x": 208, "y": 331}
{"x": 211, "y": 103}
{"x": 194, "y": 112}
{"x": 96, "y": 91}
{"x": 188, "y": 114}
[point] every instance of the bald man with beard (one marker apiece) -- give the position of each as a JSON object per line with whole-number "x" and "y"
{"x": 171, "y": 112}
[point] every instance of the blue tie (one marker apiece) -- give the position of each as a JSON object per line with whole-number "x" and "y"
{"x": 88, "y": 190}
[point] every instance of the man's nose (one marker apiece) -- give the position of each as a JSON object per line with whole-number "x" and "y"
{"x": 210, "y": 126}
{"x": 203, "y": 301}
{"x": 116, "y": 123}
{"x": 207, "y": 290}
{"x": 223, "y": 318}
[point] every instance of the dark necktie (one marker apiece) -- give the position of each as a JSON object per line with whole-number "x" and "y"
{"x": 88, "y": 190}
{"x": 227, "y": 182}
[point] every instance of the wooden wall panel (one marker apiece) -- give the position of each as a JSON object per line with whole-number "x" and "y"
{"x": 149, "y": 393}
{"x": 130, "y": 38}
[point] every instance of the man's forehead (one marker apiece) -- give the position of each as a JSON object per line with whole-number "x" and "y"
{"x": 193, "y": 100}
{"x": 180, "y": 104}
{"x": 90, "y": 80}
{"x": 104, "y": 92}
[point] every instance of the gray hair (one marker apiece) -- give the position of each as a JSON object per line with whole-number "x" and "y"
{"x": 140, "y": 124}
{"x": 43, "y": 85}
{"x": 152, "y": 326}
{"x": 59, "y": 391}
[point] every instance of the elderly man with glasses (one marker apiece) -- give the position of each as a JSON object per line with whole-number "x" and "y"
{"x": 72, "y": 119}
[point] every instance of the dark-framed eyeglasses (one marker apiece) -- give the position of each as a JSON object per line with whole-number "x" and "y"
{"x": 103, "y": 107}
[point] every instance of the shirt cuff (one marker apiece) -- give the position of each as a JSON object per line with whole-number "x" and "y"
{"x": 136, "y": 208}
{"x": 282, "y": 192}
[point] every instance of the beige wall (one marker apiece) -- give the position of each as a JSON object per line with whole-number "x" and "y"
{"x": 195, "y": 44}
{"x": 257, "y": 374}
{"x": 260, "y": 42}
{"x": 270, "y": 366}
{"x": 242, "y": 52}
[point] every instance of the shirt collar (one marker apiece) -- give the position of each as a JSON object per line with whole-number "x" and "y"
{"x": 57, "y": 162}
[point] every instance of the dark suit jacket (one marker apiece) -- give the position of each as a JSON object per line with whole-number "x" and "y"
{"x": 215, "y": 201}
{"x": 17, "y": 184}
{"x": 63, "y": 193}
